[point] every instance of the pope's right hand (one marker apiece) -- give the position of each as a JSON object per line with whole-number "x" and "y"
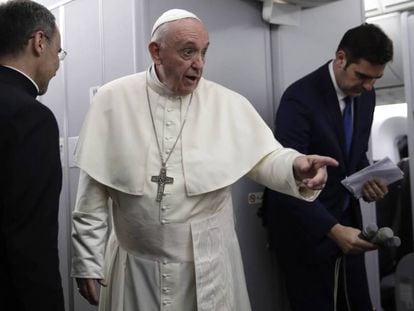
{"x": 87, "y": 288}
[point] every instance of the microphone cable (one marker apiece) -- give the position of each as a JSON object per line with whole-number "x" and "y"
{"x": 348, "y": 305}
{"x": 336, "y": 280}
{"x": 338, "y": 261}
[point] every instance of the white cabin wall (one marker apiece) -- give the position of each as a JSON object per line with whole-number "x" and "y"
{"x": 300, "y": 49}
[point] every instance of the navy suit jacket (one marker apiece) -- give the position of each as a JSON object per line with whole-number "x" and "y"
{"x": 30, "y": 183}
{"x": 309, "y": 120}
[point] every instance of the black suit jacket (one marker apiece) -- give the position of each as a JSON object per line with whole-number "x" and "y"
{"x": 30, "y": 183}
{"x": 309, "y": 120}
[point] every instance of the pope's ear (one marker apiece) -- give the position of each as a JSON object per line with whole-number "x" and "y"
{"x": 154, "y": 50}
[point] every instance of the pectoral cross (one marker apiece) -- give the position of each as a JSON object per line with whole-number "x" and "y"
{"x": 162, "y": 179}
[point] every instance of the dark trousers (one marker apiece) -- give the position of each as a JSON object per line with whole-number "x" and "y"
{"x": 310, "y": 287}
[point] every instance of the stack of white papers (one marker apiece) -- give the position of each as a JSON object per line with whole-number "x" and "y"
{"x": 384, "y": 169}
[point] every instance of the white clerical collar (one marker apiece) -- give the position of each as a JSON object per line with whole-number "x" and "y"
{"x": 339, "y": 93}
{"x": 15, "y": 69}
{"x": 161, "y": 86}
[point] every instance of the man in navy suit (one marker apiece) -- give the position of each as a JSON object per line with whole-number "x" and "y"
{"x": 30, "y": 180}
{"x": 329, "y": 112}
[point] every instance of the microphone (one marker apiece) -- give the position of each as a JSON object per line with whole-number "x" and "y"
{"x": 395, "y": 241}
{"x": 382, "y": 237}
{"x": 369, "y": 232}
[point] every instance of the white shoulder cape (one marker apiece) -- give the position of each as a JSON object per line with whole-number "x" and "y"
{"x": 223, "y": 138}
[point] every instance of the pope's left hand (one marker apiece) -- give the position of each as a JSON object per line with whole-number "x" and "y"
{"x": 311, "y": 170}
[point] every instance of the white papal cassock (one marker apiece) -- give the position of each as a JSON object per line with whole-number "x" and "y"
{"x": 181, "y": 253}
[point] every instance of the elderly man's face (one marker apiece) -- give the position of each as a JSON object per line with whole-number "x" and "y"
{"x": 182, "y": 55}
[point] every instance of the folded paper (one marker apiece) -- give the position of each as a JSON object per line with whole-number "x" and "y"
{"x": 384, "y": 169}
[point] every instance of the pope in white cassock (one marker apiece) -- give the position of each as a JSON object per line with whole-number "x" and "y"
{"x": 165, "y": 146}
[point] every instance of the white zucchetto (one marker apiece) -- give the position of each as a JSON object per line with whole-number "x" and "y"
{"x": 172, "y": 15}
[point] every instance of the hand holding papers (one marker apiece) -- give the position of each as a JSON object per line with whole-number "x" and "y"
{"x": 384, "y": 169}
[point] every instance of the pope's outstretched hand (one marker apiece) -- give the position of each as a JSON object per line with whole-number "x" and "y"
{"x": 311, "y": 170}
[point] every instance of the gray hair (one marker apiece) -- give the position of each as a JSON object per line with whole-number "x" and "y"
{"x": 160, "y": 33}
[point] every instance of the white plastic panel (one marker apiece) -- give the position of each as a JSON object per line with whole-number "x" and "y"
{"x": 381, "y": 7}
{"x": 394, "y": 3}
{"x": 118, "y": 41}
{"x": 309, "y": 3}
{"x": 393, "y": 73}
{"x": 49, "y": 3}
{"x": 84, "y": 59}
{"x": 390, "y": 122}
{"x": 371, "y": 5}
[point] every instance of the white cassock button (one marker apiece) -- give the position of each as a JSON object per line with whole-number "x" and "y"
{"x": 168, "y": 123}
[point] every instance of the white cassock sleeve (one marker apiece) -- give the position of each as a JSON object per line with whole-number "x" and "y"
{"x": 90, "y": 228}
{"x": 275, "y": 171}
